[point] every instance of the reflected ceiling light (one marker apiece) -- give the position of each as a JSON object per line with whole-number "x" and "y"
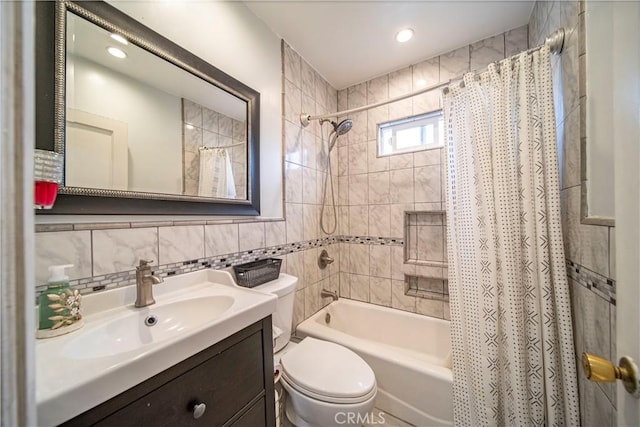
{"x": 421, "y": 83}
{"x": 119, "y": 38}
{"x": 404, "y": 35}
{"x": 116, "y": 52}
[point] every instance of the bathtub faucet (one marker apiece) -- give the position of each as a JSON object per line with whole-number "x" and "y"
{"x": 332, "y": 294}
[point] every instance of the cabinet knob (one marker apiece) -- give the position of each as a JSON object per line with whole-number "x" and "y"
{"x": 198, "y": 410}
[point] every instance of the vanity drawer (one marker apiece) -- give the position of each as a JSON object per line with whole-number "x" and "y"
{"x": 225, "y": 384}
{"x": 254, "y": 417}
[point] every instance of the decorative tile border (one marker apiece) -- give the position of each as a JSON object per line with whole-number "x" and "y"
{"x": 126, "y": 278}
{"x": 597, "y": 283}
{"x": 372, "y": 240}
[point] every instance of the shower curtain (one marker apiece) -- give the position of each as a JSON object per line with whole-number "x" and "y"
{"x": 216, "y": 174}
{"x": 512, "y": 339}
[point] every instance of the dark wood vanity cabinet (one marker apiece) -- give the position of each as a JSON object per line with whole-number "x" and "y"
{"x": 233, "y": 378}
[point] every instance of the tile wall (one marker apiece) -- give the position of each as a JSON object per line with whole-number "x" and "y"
{"x": 589, "y": 249}
{"x": 204, "y": 127}
{"x": 375, "y": 192}
{"x": 105, "y": 254}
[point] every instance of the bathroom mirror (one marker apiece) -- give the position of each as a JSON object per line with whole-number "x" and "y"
{"x": 145, "y": 126}
{"x": 596, "y": 99}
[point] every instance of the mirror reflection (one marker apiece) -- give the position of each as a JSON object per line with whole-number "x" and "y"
{"x": 135, "y": 122}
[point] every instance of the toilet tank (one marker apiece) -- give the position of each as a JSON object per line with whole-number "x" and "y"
{"x": 284, "y": 288}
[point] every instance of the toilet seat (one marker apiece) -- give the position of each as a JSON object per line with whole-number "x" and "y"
{"x": 328, "y": 372}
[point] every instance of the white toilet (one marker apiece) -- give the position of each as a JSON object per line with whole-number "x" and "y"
{"x": 326, "y": 384}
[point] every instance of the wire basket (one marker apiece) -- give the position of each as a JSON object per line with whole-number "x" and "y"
{"x": 256, "y": 273}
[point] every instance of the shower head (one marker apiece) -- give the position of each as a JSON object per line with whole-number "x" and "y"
{"x": 342, "y": 127}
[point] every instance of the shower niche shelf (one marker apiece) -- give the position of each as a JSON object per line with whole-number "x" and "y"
{"x": 425, "y": 236}
{"x": 427, "y": 287}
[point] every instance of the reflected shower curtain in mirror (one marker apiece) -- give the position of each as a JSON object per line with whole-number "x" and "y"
{"x": 512, "y": 339}
{"x": 216, "y": 174}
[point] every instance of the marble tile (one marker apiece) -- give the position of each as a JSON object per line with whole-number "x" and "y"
{"x": 427, "y": 102}
{"x": 311, "y": 300}
{"x": 358, "y": 132}
{"x": 309, "y": 186}
{"x": 359, "y": 220}
{"x": 293, "y": 182}
{"x": 343, "y": 220}
{"x": 292, "y": 65}
{"x": 453, "y": 64}
{"x": 380, "y": 261}
{"x": 359, "y": 287}
{"x": 191, "y": 113}
{"x": 310, "y": 215}
{"x": 225, "y": 126}
{"x": 597, "y": 410}
{"x": 401, "y": 186}
{"x": 379, "y": 221}
{"x": 321, "y": 91}
{"x": 426, "y": 73}
{"x": 251, "y": 236}
{"x": 379, "y": 188}
{"x": 375, "y": 163}
{"x": 430, "y": 307}
{"x": 359, "y": 259}
{"x": 612, "y": 253}
{"x": 594, "y": 243}
{"x": 430, "y": 243}
{"x": 210, "y": 120}
{"x": 310, "y": 266}
{"x": 192, "y": 138}
{"x": 345, "y": 285}
{"x": 358, "y": 189}
{"x": 357, "y": 95}
{"x": 486, "y": 51}
{"x": 307, "y": 79}
{"x": 400, "y": 82}
{"x": 397, "y": 263}
{"x": 332, "y": 98}
{"x": 401, "y": 161}
{"x": 446, "y": 311}
{"x": 292, "y": 103}
{"x": 378, "y": 89}
{"x": 122, "y": 250}
{"x": 376, "y": 116}
{"x": 295, "y": 267}
{"x": 516, "y": 41}
{"x": 570, "y": 211}
{"x": 309, "y": 150}
{"x": 428, "y": 184}
{"x": 294, "y": 222}
{"x": 239, "y": 131}
{"x": 275, "y": 233}
{"x": 397, "y": 213}
{"x": 298, "y": 307}
{"x": 427, "y": 157}
{"x": 571, "y": 150}
{"x": 401, "y": 109}
{"x": 380, "y": 291}
{"x": 292, "y": 142}
{"x": 343, "y": 191}
{"x": 399, "y": 299}
{"x": 180, "y": 243}
{"x": 357, "y": 158}
{"x": 570, "y": 72}
{"x": 343, "y": 160}
{"x": 63, "y": 247}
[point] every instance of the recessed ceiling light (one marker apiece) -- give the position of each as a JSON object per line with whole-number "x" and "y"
{"x": 404, "y": 35}
{"x": 116, "y": 52}
{"x": 119, "y": 38}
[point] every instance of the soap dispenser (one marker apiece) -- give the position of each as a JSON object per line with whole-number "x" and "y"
{"x": 59, "y": 311}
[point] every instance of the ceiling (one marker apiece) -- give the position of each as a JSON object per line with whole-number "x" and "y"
{"x": 349, "y": 42}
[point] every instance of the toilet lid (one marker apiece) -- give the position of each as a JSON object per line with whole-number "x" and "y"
{"x": 325, "y": 369}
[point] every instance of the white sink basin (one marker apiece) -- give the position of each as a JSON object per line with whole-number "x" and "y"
{"x": 115, "y": 350}
{"x": 129, "y": 333}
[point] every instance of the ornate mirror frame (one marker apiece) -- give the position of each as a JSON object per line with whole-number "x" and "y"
{"x": 50, "y": 114}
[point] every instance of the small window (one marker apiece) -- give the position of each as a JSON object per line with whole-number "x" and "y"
{"x": 413, "y": 134}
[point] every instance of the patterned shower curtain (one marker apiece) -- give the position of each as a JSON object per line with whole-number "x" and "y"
{"x": 512, "y": 339}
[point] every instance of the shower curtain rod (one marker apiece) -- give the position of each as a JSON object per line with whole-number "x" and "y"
{"x": 221, "y": 146}
{"x": 555, "y": 42}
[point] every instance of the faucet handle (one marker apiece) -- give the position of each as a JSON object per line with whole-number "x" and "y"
{"x": 145, "y": 262}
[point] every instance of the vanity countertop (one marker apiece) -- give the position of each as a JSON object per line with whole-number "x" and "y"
{"x": 115, "y": 350}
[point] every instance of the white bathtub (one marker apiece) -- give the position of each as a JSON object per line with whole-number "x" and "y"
{"x": 409, "y": 353}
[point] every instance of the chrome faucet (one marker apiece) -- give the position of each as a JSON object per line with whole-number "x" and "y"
{"x": 332, "y": 294}
{"x": 144, "y": 284}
